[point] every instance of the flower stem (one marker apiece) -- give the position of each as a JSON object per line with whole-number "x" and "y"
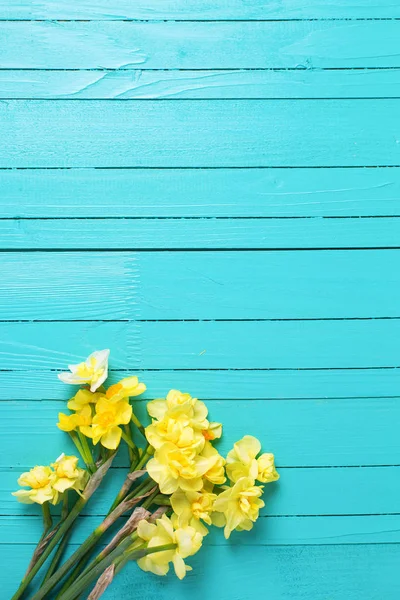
{"x": 74, "y": 437}
{"x": 60, "y": 550}
{"x": 88, "y": 453}
{"x": 138, "y": 424}
{"x": 122, "y": 550}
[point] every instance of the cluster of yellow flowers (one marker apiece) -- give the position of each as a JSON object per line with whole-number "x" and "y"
{"x": 196, "y": 486}
{"x": 187, "y": 466}
{"x": 47, "y": 484}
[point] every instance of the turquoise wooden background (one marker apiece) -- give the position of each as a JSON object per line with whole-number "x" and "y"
{"x": 211, "y": 188}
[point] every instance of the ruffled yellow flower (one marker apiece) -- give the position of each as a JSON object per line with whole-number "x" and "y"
{"x": 67, "y": 474}
{"x": 176, "y": 468}
{"x": 126, "y": 388}
{"x": 82, "y": 399}
{"x": 93, "y": 371}
{"x": 181, "y": 420}
{"x": 188, "y": 541}
{"x": 105, "y": 424}
{"x": 216, "y": 473}
{"x": 80, "y": 420}
{"x": 242, "y": 461}
{"x": 192, "y": 507}
{"x": 266, "y": 468}
{"x": 240, "y": 505}
{"x": 39, "y": 480}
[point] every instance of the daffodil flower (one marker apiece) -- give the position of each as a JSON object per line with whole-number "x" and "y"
{"x": 188, "y": 541}
{"x": 39, "y": 480}
{"x": 192, "y": 507}
{"x": 242, "y": 461}
{"x": 93, "y": 371}
{"x": 105, "y": 424}
{"x": 240, "y": 505}
{"x": 175, "y": 468}
{"x": 215, "y": 473}
{"x": 126, "y": 388}
{"x": 79, "y": 420}
{"x": 67, "y": 474}
{"x": 83, "y": 398}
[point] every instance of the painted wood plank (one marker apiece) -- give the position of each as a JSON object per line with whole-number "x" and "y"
{"x": 345, "y": 432}
{"x": 281, "y": 573}
{"x": 300, "y": 492}
{"x": 269, "y": 531}
{"x": 206, "y": 345}
{"x": 225, "y": 384}
{"x": 198, "y": 10}
{"x": 197, "y": 234}
{"x": 190, "y": 45}
{"x": 199, "y": 192}
{"x": 41, "y": 133}
{"x": 136, "y": 84}
{"x": 199, "y": 285}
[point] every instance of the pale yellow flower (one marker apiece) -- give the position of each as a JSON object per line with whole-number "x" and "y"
{"x": 240, "y": 505}
{"x": 266, "y": 468}
{"x": 242, "y": 461}
{"x": 192, "y": 507}
{"x": 188, "y": 541}
{"x": 179, "y": 419}
{"x": 79, "y": 420}
{"x": 82, "y": 398}
{"x": 126, "y": 388}
{"x": 213, "y": 431}
{"x": 216, "y": 472}
{"x": 39, "y": 480}
{"x": 67, "y": 474}
{"x": 176, "y": 468}
{"x": 93, "y": 371}
{"x": 105, "y": 423}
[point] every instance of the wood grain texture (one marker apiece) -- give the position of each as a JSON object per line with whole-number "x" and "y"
{"x": 198, "y": 10}
{"x": 206, "y": 345}
{"x": 197, "y": 234}
{"x": 346, "y": 432}
{"x": 211, "y": 84}
{"x": 199, "y": 192}
{"x": 224, "y": 384}
{"x": 195, "y": 133}
{"x": 199, "y": 285}
{"x": 270, "y": 531}
{"x": 281, "y": 573}
{"x": 300, "y": 492}
{"x": 190, "y": 45}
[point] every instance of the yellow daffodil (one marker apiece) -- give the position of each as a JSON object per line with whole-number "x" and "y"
{"x": 176, "y": 468}
{"x": 188, "y": 541}
{"x": 181, "y": 420}
{"x": 216, "y": 473}
{"x": 266, "y": 468}
{"x": 240, "y": 505}
{"x": 82, "y": 398}
{"x": 105, "y": 424}
{"x": 79, "y": 420}
{"x": 126, "y": 388}
{"x": 93, "y": 371}
{"x": 192, "y": 507}
{"x": 68, "y": 475}
{"x": 242, "y": 461}
{"x": 39, "y": 480}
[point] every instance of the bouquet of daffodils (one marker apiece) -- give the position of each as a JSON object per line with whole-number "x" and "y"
{"x": 177, "y": 485}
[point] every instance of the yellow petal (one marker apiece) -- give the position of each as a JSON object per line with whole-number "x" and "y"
{"x": 111, "y": 438}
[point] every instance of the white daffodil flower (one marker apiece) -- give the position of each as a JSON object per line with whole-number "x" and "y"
{"x": 93, "y": 371}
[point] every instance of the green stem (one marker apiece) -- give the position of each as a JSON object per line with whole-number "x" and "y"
{"x": 88, "y": 453}
{"x": 74, "y": 437}
{"x": 131, "y": 449}
{"x": 47, "y": 523}
{"x": 60, "y": 550}
{"x": 50, "y": 547}
{"x": 123, "y": 549}
{"x": 128, "y": 440}
{"x": 138, "y": 424}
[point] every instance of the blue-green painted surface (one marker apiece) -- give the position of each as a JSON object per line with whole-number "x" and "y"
{"x": 212, "y": 190}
